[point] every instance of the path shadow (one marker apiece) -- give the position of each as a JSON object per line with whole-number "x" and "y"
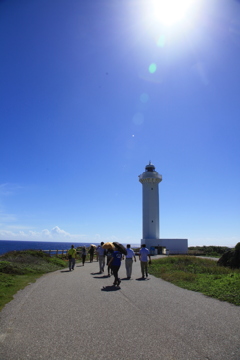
{"x": 101, "y": 277}
{"x": 97, "y": 273}
{"x": 141, "y": 279}
{"x": 110, "y": 288}
{"x": 65, "y": 271}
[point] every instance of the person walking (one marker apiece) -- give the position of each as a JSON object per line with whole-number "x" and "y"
{"x": 98, "y": 247}
{"x": 91, "y": 253}
{"x": 129, "y": 261}
{"x": 71, "y": 257}
{"x": 109, "y": 256}
{"x": 101, "y": 257}
{"x": 84, "y": 254}
{"x": 144, "y": 254}
{"x": 115, "y": 264}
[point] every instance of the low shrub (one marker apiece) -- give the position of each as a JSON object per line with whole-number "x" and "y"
{"x": 7, "y": 267}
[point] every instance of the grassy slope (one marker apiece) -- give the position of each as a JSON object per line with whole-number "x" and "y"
{"x": 202, "y": 275}
{"x": 19, "y": 268}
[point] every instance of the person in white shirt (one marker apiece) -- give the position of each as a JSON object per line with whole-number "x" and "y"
{"x": 129, "y": 261}
{"x": 144, "y": 254}
{"x": 101, "y": 257}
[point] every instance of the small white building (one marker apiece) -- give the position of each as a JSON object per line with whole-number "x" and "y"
{"x": 150, "y": 215}
{"x": 167, "y": 246}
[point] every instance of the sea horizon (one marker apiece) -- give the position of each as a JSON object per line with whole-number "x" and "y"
{"x": 18, "y": 245}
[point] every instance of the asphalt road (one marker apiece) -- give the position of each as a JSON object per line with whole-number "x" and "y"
{"x": 79, "y": 315}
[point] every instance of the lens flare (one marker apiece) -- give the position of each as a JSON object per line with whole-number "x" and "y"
{"x": 138, "y": 118}
{"x": 161, "y": 41}
{"x": 152, "y": 68}
{"x": 144, "y": 98}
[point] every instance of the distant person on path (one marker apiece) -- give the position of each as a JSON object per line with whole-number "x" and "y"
{"x": 84, "y": 254}
{"x": 129, "y": 261}
{"x": 115, "y": 264}
{"x": 101, "y": 257}
{"x": 144, "y": 254}
{"x": 109, "y": 256}
{"x": 71, "y": 257}
{"x": 97, "y": 252}
{"x": 91, "y": 252}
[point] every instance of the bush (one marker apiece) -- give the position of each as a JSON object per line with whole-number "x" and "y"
{"x": 231, "y": 258}
{"x": 28, "y": 262}
{"x": 237, "y": 247}
{"x": 56, "y": 261}
{"x": 7, "y": 267}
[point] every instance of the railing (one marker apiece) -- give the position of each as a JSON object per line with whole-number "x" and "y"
{"x": 56, "y": 252}
{"x": 60, "y": 252}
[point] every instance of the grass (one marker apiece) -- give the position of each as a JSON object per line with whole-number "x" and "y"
{"x": 11, "y": 284}
{"x": 20, "y": 268}
{"x": 201, "y": 275}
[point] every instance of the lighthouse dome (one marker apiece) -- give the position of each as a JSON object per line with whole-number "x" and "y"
{"x": 150, "y": 167}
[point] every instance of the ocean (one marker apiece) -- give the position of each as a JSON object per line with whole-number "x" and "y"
{"x": 11, "y": 245}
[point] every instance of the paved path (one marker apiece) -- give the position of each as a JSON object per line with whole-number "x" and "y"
{"x": 69, "y": 315}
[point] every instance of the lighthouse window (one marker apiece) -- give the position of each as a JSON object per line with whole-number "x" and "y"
{"x": 152, "y": 220}
{"x": 151, "y": 188}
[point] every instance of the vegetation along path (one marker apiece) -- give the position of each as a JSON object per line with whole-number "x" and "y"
{"x": 80, "y": 315}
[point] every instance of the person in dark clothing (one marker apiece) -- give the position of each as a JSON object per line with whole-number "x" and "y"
{"x": 109, "y": 256}
{"x": 91, "y": 252}
{"x": 115, "y": 264}
{"x": 84, "y": 254}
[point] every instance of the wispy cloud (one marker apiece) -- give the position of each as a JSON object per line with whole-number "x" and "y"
{"x": 18, "y": 227}
{"x": 7, "y": 218}
{"x": 56, "y": 233}
{"x": 7, "y": 189}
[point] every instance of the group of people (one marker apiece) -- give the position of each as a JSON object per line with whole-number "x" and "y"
{"x": 72, "y": 253}
{"x": 114, "y": 259}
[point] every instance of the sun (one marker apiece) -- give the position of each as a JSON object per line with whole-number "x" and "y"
{"x": 169, "y": 12}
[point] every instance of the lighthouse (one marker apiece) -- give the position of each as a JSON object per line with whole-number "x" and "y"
{"x": 150, "y": 205}
{"x": 150, "y": 216}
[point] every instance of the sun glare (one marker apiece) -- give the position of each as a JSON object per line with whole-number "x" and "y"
{"x": 168, "y": 12}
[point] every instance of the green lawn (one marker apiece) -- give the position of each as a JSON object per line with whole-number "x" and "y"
{"x": 10, "y": 284}
{"x": 201, "y": 275}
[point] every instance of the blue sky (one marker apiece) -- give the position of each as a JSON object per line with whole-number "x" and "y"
{"x": 91, "y": 91}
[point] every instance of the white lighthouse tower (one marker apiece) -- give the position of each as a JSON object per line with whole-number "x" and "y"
{"x": 150, "y": 205}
